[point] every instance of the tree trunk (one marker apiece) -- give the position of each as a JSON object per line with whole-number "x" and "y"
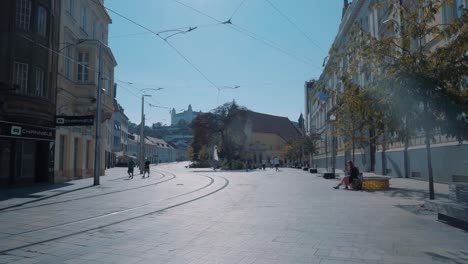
{"x": 427, "y": 132}
{"x": 405, "y": 152}
{"x": 384, "y": 156}
{"x": 354, "y": 146}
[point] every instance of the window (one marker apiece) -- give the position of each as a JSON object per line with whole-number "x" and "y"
{"x": 449, "y": 12}
{"x": 23, "y": 14}
{"x": 116, "y": 142}
{"x": 107, "y": 82}
{"x": 83, "y": 18}
{"x": 83, "y": 67}
{"x": 68, "y": 62}
{"x": 39, "y": 85}
{"x": 41, "y": 21}
{"x": 20, "y": 76}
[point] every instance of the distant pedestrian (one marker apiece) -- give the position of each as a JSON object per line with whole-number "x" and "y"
{"x": 147, "y": 168}
{"x": 263, "y": 164}
{"x": 276, "y": 163}
{"x": 131, "y": 165}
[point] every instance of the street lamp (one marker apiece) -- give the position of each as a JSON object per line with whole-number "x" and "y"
{"x": 332, "y": 119}
{"x": 142, "y": 133}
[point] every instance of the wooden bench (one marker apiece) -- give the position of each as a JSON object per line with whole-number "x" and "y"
{"x": 372, "y": 182}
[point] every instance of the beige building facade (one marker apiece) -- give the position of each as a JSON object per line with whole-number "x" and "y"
{"x": 83, "y": 46}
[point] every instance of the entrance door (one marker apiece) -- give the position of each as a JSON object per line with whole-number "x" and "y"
{"x": 28, "y": 160}
{"x": 5, "y": 160}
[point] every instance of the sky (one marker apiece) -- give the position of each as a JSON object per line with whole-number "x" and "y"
{"x": 269, "y": 53}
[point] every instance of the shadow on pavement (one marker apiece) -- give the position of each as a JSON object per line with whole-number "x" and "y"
{"x": 419, "y": 195}
{"x": 448, "y": 259}
{"x": 31, "y": 192}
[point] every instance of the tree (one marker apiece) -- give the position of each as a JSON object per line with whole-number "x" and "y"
{"x": 361, "y": 116}
{"x": 428, "y": 77}
{"x": 224, "y": 127}
{"x": 156, "y": 125}
{"x": 310, "y": 143}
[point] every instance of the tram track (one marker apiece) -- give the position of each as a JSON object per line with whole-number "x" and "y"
{"x": 119, "y": 211}
{"x": 226, "y": 183}
{"x": 13, "y": 208}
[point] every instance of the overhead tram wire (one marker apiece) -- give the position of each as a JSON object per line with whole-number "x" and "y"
{"x": 126, "y": 86}
{"x": 295, "y": 25}
{"x": 237, "y": 9}
{"x": 250, "y": 34}
{"x": 167, "y": 42}
{"x": 163, "y": 31}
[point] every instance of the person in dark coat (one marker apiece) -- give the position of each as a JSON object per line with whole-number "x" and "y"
{"x": 147, "y": 168}
{"x": 352, "y": 176}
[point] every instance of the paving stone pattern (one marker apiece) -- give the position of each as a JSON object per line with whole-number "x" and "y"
{"x": 198, "y": 216}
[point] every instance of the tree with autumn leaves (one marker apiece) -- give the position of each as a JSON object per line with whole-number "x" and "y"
{"x": 419, "y": 67}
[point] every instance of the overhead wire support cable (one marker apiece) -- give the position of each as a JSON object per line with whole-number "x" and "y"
{"x": 237, "y": 9}
{"x": 167, "y": 42}
{"x": 295, "y": 25}
{"x": 252, "y": 35}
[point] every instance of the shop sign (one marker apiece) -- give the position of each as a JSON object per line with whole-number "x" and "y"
{"x": 23, "y": 131}
{"x": 74, "y": 120}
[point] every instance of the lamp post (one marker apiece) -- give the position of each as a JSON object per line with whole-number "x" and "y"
{"x": 97, "y": 143}
{"x": 142, "y": 133}
{"x": 332, "y": 119}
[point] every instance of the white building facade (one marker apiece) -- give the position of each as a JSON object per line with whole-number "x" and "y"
{"x": 318, "y": 105}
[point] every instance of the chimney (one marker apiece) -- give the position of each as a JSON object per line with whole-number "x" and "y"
{"x": 345, "y": 7}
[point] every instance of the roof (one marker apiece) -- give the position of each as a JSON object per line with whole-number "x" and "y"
{"x": 153, "y": 141}
{"x": 279, "y": 125}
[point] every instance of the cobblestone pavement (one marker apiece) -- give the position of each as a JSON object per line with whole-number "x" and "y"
{"x": 181, "y": 215}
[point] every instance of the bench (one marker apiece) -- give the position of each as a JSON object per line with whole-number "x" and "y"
{"x": 372, "y": 182}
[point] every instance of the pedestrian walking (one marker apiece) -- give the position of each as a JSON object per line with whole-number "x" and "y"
{"x": 263, "y": 164}
{"x": 131, "y": 165}
{"x": 276, "y": 163}
{"x": 147, "y": 168}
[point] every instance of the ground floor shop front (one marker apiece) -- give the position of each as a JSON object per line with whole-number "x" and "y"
{"x": 25, "y": 161}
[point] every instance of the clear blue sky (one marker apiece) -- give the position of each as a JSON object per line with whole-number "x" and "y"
{"x": 270, "y": 81}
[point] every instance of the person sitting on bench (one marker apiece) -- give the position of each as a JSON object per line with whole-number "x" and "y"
{"x": 348, "y": 180}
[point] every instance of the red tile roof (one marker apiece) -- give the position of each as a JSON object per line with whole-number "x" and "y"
{"x": 279, "y": 125}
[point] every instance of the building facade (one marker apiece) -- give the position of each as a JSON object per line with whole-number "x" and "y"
{"x": 374, "y": 20}
{"x": 119, "y": 133}
{"x": 83, "y": 49}
{"x": 183, "y": 118}
{"x": 156, "y": 149}
{"x": 28, "y": 68}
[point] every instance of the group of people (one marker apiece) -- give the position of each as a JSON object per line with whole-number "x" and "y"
{"x": 274, "y": 162}
{"x": 131, "y": 166}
